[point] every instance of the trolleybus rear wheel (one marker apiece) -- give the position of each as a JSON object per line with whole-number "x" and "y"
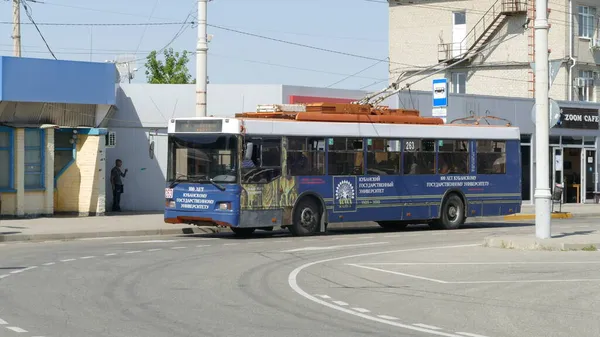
{"x": 242, "y": 231}
{"x": 306, "y": 218}
{"x": 453, "y": 213}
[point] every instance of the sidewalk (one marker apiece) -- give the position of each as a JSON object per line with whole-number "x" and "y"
{"x": 583, "y": 240}
{"x": 132, "y": 224}
{"x": 567, "y": 211}
{"x": 69, "y": 228}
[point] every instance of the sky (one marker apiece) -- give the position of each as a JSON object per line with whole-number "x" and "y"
{"x": 120, "y": 28}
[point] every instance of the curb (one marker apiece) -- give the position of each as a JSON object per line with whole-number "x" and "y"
{"x": 531, "y": 216}
{"x": 125, "y": 233}
{"x": 539, "y": 244}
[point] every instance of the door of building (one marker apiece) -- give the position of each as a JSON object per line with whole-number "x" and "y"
{"x": 459, "y": 32}
{"x": 588, "y": 175}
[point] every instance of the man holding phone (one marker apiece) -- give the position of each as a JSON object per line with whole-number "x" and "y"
{"x": 117, "y": 184}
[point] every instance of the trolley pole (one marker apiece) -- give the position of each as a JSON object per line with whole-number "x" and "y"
{"x": 542, "y": 193}
{"x": 201, "y": 60}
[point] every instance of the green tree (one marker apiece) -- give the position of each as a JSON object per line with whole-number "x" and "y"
{"x": 173, "y": 70}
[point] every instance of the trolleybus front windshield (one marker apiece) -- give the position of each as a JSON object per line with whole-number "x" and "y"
{"x": 202, "y": 158}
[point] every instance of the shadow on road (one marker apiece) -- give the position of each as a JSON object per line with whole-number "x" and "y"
{"x": 349, "y": 230}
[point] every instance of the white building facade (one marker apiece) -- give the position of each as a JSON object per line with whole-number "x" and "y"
{"x": 494, "y": 40}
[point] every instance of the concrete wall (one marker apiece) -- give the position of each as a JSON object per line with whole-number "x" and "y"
{"x": 81, "y": 188}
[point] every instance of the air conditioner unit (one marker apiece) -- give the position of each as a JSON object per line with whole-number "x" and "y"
{"x": 595, "y": 43}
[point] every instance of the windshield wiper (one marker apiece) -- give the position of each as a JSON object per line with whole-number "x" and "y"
{"x": 179, "y": 177}
{"x": 217, "y": 185}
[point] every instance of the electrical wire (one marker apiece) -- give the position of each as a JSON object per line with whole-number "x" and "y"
{"x": 30, "y": 16}
{"x": 61, "y": 24}
{"x": 356, "y": 73}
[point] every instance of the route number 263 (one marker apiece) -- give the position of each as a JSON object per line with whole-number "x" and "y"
{"x": 409, "y": 146}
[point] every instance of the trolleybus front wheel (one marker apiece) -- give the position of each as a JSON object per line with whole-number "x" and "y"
{"x": 242, "y": 231}
{"x": 452, "y": 215}
{"x": 306, "y": 218}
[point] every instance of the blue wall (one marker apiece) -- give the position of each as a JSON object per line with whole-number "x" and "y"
{"x": 52, "y": 81}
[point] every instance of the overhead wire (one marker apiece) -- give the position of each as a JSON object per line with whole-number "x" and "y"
{"x": 30, "y": 17}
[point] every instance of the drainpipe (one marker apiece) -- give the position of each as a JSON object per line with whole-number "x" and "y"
{"x": 571, "y": 47}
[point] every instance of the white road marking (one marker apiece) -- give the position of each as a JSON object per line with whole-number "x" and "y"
{"x": 280, "y": 241}
{"x": 149, "y": 241}
{"x": 200, "y": 246}
{"x": 398, "y": 273}
{"x": 22, "y": 270}
{"x": 526, "y": 281}
{"x": 363, "y": 310}
{"x": 471, "y": 263}
{"x": 332, "y": 247}
{"x": 324, "y": 296}
{"x": 67, "y": 260}
{"x": 87, "y": 257}
{"x": 470, "y": 334}
{"x": 3, "y": 322}
{"x": 391, "y": 318}
{"x": 178, "y": 247}
{"x": 16, "y": 329}
{"x": 110, "y": 254}
{"x": 427, "y": 326}
{"x": 340, "y": 303}
{"x": 154, "y": 250}
{"x": 293, "y": 282}
{"x": 49, "y": 263}
{"x": 3, "y": 276}
{"x": 133, "y": 252}
{"x": 231, "y": 244}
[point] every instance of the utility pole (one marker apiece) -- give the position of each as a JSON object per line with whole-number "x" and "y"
{"x": 16, "y": 27}
{"x": 542, "y": 193}
{"x": 201, "y": 60}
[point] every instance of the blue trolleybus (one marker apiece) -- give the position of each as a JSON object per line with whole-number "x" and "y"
{"x": 303, "y": 170}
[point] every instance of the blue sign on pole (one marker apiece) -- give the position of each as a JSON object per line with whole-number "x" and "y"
{"x": 440, "y": 92}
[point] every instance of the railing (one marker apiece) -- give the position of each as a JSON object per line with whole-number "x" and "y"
{"x": 446, "y": 51}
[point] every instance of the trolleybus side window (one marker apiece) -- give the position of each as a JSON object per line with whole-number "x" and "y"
{"x": 491, "y": 157}
{"x": 261, "y": 159}
{"x": 383, "y": 156}
{"x": 419, "y": 156}
{"x": 453, "y": 157}
{"x": 345, "y": 156}
{"x": 306, "y": 156}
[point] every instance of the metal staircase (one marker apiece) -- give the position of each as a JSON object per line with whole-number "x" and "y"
{"x": 482, "y": 32}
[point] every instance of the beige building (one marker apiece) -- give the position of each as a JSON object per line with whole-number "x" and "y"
{"x": 494, "y": 39}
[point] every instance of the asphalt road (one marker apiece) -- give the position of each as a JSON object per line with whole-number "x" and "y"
{"x": 353, "y": 282}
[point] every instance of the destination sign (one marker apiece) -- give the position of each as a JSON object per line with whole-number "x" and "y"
{"x": 213, "y": 125}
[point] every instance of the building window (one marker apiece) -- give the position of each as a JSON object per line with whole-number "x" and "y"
{"x": 587, "y": 17}
{"x": 585, "y": 85}
{"x": 110, "y": 140}
{"x": 459, "y": 83}
{"x": 63, "y": 151}
{"x": 34, "y": 158}
{"x": 6, "y": 158}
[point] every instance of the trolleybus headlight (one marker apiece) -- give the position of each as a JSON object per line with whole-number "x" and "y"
{"x": 170, "y": 203}
{"x": 224, "y": 206}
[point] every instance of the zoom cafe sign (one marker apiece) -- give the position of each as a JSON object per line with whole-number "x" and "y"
{"x": 578, "y": 118}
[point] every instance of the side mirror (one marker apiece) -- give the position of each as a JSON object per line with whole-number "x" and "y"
{"x": 249, "y": 149}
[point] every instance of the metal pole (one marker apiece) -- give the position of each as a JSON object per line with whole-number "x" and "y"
{"x": 542, "y": 124}
{"x": 201, "y": 60}
{"x": 17, "y": 27}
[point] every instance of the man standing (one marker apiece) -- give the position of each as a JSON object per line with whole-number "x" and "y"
{"x": 117, "y": 184}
